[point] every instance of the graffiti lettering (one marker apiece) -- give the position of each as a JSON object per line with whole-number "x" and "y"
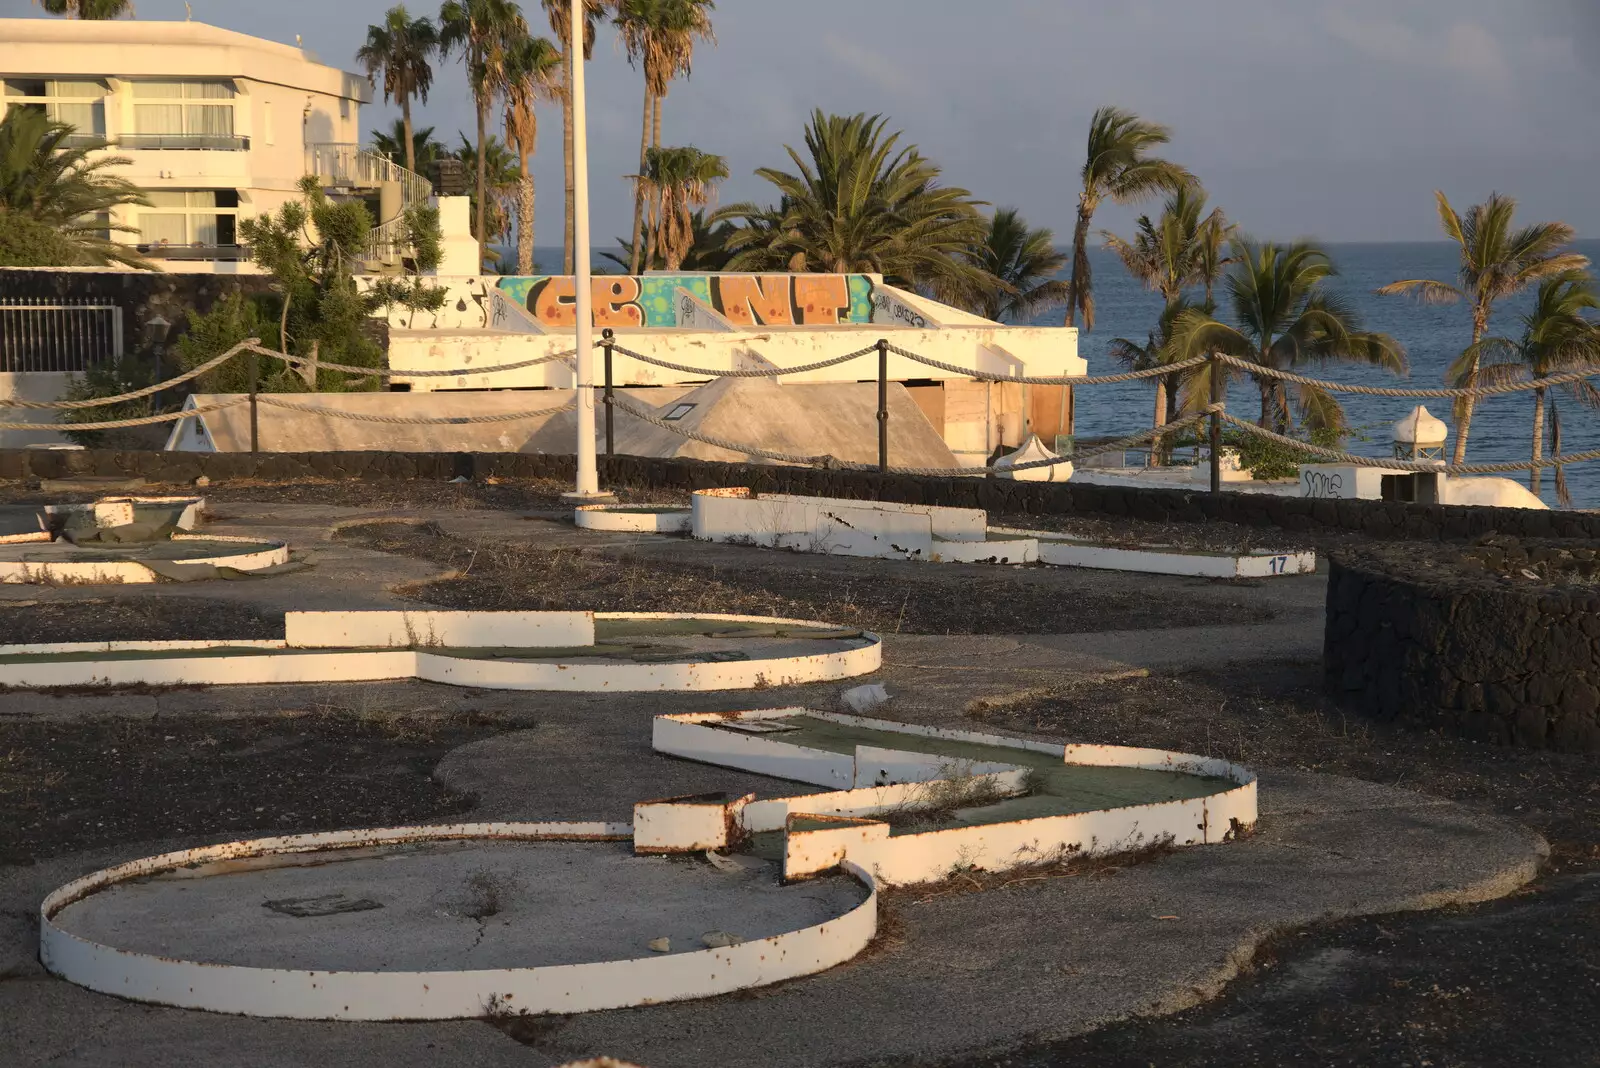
{"x": 745, "y": 300}
{"x": 1322, "y": 484}
{"x": 885, "y": 310}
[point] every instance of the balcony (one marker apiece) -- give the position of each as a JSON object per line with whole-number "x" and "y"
{"x": 196, "y": 253}
{"x": 184, "y": 142}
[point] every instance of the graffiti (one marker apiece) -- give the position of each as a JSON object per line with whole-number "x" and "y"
{"x": 1322, "y": 484}
{"x": 886, "y": 310}
{"x": 748, "y": 300}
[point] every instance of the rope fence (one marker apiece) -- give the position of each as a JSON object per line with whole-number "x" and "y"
{"x": 1216, "y": 412}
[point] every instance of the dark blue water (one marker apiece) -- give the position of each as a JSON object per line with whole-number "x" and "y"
{"x": 1502, "y": 427}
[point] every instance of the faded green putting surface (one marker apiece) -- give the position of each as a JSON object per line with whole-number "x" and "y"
{"x": 1056, "y": 788}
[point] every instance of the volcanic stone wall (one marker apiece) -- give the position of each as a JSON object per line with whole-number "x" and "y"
{"x": 1374, "y": 519}
{"x": 1426, "y": 636}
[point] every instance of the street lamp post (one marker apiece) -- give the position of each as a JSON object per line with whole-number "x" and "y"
{"x": 588, "y": 482}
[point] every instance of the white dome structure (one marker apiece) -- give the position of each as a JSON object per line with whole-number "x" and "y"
{"x": 1420, "y": 436}
{"x": 1033, "y": 450}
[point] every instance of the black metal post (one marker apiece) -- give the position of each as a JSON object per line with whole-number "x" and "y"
{"x": 608, "y": 342}
{"x": 883, "y": 406}
{"x": 255, "y": 384}
{"x": 1216, "y": 426}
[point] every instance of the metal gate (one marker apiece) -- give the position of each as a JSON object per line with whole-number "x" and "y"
{"x": 56, "y": 335}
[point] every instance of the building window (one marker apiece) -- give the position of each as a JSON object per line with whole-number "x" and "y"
{"x": 189, "y": 217}
{"x": 182, "y": 115}
{"x": 79, "y": 103}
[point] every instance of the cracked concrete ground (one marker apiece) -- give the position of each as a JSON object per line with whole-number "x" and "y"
{"x": 959, "y": 973}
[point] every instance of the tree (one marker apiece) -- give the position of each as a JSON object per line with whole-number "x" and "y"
{"x": 501, "y": 178}
{"x": 1177, "y": 251}
{"x": 45, "y": 185}
{"x": 860, "y": 203}
{"x": 674, "y": 182}
{"x": 659, "y": 36}
{"x": 560, "y": 15}
{"x": 1157, "y": 351}
{"x": 1557, "y": 336}
{"x": 483, "y": 31}
{"x": 424, "y": 149}
{"x": 532, "y": 70}
{"x": 401, "y": 48}
{"x": 708, "y": 253}
{"x": 88, "y": 9}
{"x": 312, "y": 248}
{"x": 1496, "y": 261}
{"x": 1283, "y": 319}
{"x": 1021, "y": 265}
{"x": 1116, "y": 168}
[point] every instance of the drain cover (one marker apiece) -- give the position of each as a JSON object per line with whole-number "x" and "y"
{"x": 327, "y": 905}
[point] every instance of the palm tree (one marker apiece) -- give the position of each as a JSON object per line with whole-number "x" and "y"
{"x": 659, "y": 35}
{"x": 560, "y": 15}
{"x": 1284, "y": 319}
{"x": 1022, "y": 264}
{"x": 401, "y": 48}
{"x": 502, "y": 180}
{"x": 1557, "y": 336}
{"x": 48, "y": 184}
{"x": 531, "y": 72}
{"x": 424, "y": 149}
{"x": 673, "y": 183}
{"x": 1157, "y": 352}
{"x": 1116, "y": 168}
{"x": 1496, "y": 261}
{"x": 1177, "y": 251}
{"x": 860, "y": 203}
{"x": 484, "y": 32}
{"x": 88, "y": 9}
{"x": 708, "y": 253}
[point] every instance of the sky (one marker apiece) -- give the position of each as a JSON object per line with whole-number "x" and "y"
{"x": 1332, "y": 120}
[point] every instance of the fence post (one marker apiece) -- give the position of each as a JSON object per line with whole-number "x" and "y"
{"x": 1216, "y": 426}
{"x": 608, "y": 341}
{"x": 255, "y": 385}
{"x": 883, "y": 406}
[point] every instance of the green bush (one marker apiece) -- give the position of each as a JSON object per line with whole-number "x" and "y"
{"x": 110, "y": 380}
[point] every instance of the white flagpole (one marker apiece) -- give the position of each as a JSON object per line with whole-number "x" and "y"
{"x": 588, "y": 484}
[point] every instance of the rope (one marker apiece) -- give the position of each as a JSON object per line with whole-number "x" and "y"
{"x": 271, "y": 400}
{"x": 1058, "y": 380}
{"x": 118, "y": 424}
{"x": 1385, "y": 391}
{"x": 773, "y": 373}
{"x": 13, "y": 402}
{"x": 1337, "y": 456}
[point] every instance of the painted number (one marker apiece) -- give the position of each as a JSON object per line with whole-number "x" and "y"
{"x": 1280, "y": 564}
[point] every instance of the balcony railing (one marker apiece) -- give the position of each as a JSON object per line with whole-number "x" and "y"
{"x": 184, "y": 142}
{"x": 354, "y": 167}
{"x": 222, "y": 253}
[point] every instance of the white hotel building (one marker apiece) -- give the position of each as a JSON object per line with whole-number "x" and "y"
{"x": 218, "y": 125}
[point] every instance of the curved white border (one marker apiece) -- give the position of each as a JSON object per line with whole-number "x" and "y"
{"x": 337, "y": 665}
{"x": 443, "y": 995}
{"x": 626, "y": 518}
{"x": 111, "y": 572}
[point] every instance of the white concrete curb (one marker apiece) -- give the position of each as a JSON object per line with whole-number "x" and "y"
{"x": 632, "y": 519}
{"x": 441, "y": 995}
{"x": 111, "y": 572}
{"x": 1063, "y": 551}
{"x": 258, "y": 662}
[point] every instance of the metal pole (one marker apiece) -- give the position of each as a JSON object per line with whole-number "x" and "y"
{"x": 1216, "y": 426}
{"x": 255, "y": 376}
{"x": 883, "y": 406}
{"x": 608, "y": 342}
{"x": 588, "y": 482}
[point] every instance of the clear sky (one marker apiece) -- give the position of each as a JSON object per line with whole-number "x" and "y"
{"x": 1335, "y": 119}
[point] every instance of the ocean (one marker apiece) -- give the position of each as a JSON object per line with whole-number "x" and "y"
{"x": 1502, "y": 427}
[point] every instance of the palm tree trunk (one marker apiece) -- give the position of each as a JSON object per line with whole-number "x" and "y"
{"x": 566, "y": 149}
{"x": 1268, "y": 402}
{"x": 1160, "y": 420}
{"x": 483, "y": 181}
{"x": 653, "y": 227}
{"x": 638, "y": 187}
{"x": 1480, "y": 325}
{"x": 1080, "y": 269}
{"x": 411, "y": 144}
{"x": 1536, "y": 475}
{"x": 655, "y": 138}
{"x": 525, "y": 220}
